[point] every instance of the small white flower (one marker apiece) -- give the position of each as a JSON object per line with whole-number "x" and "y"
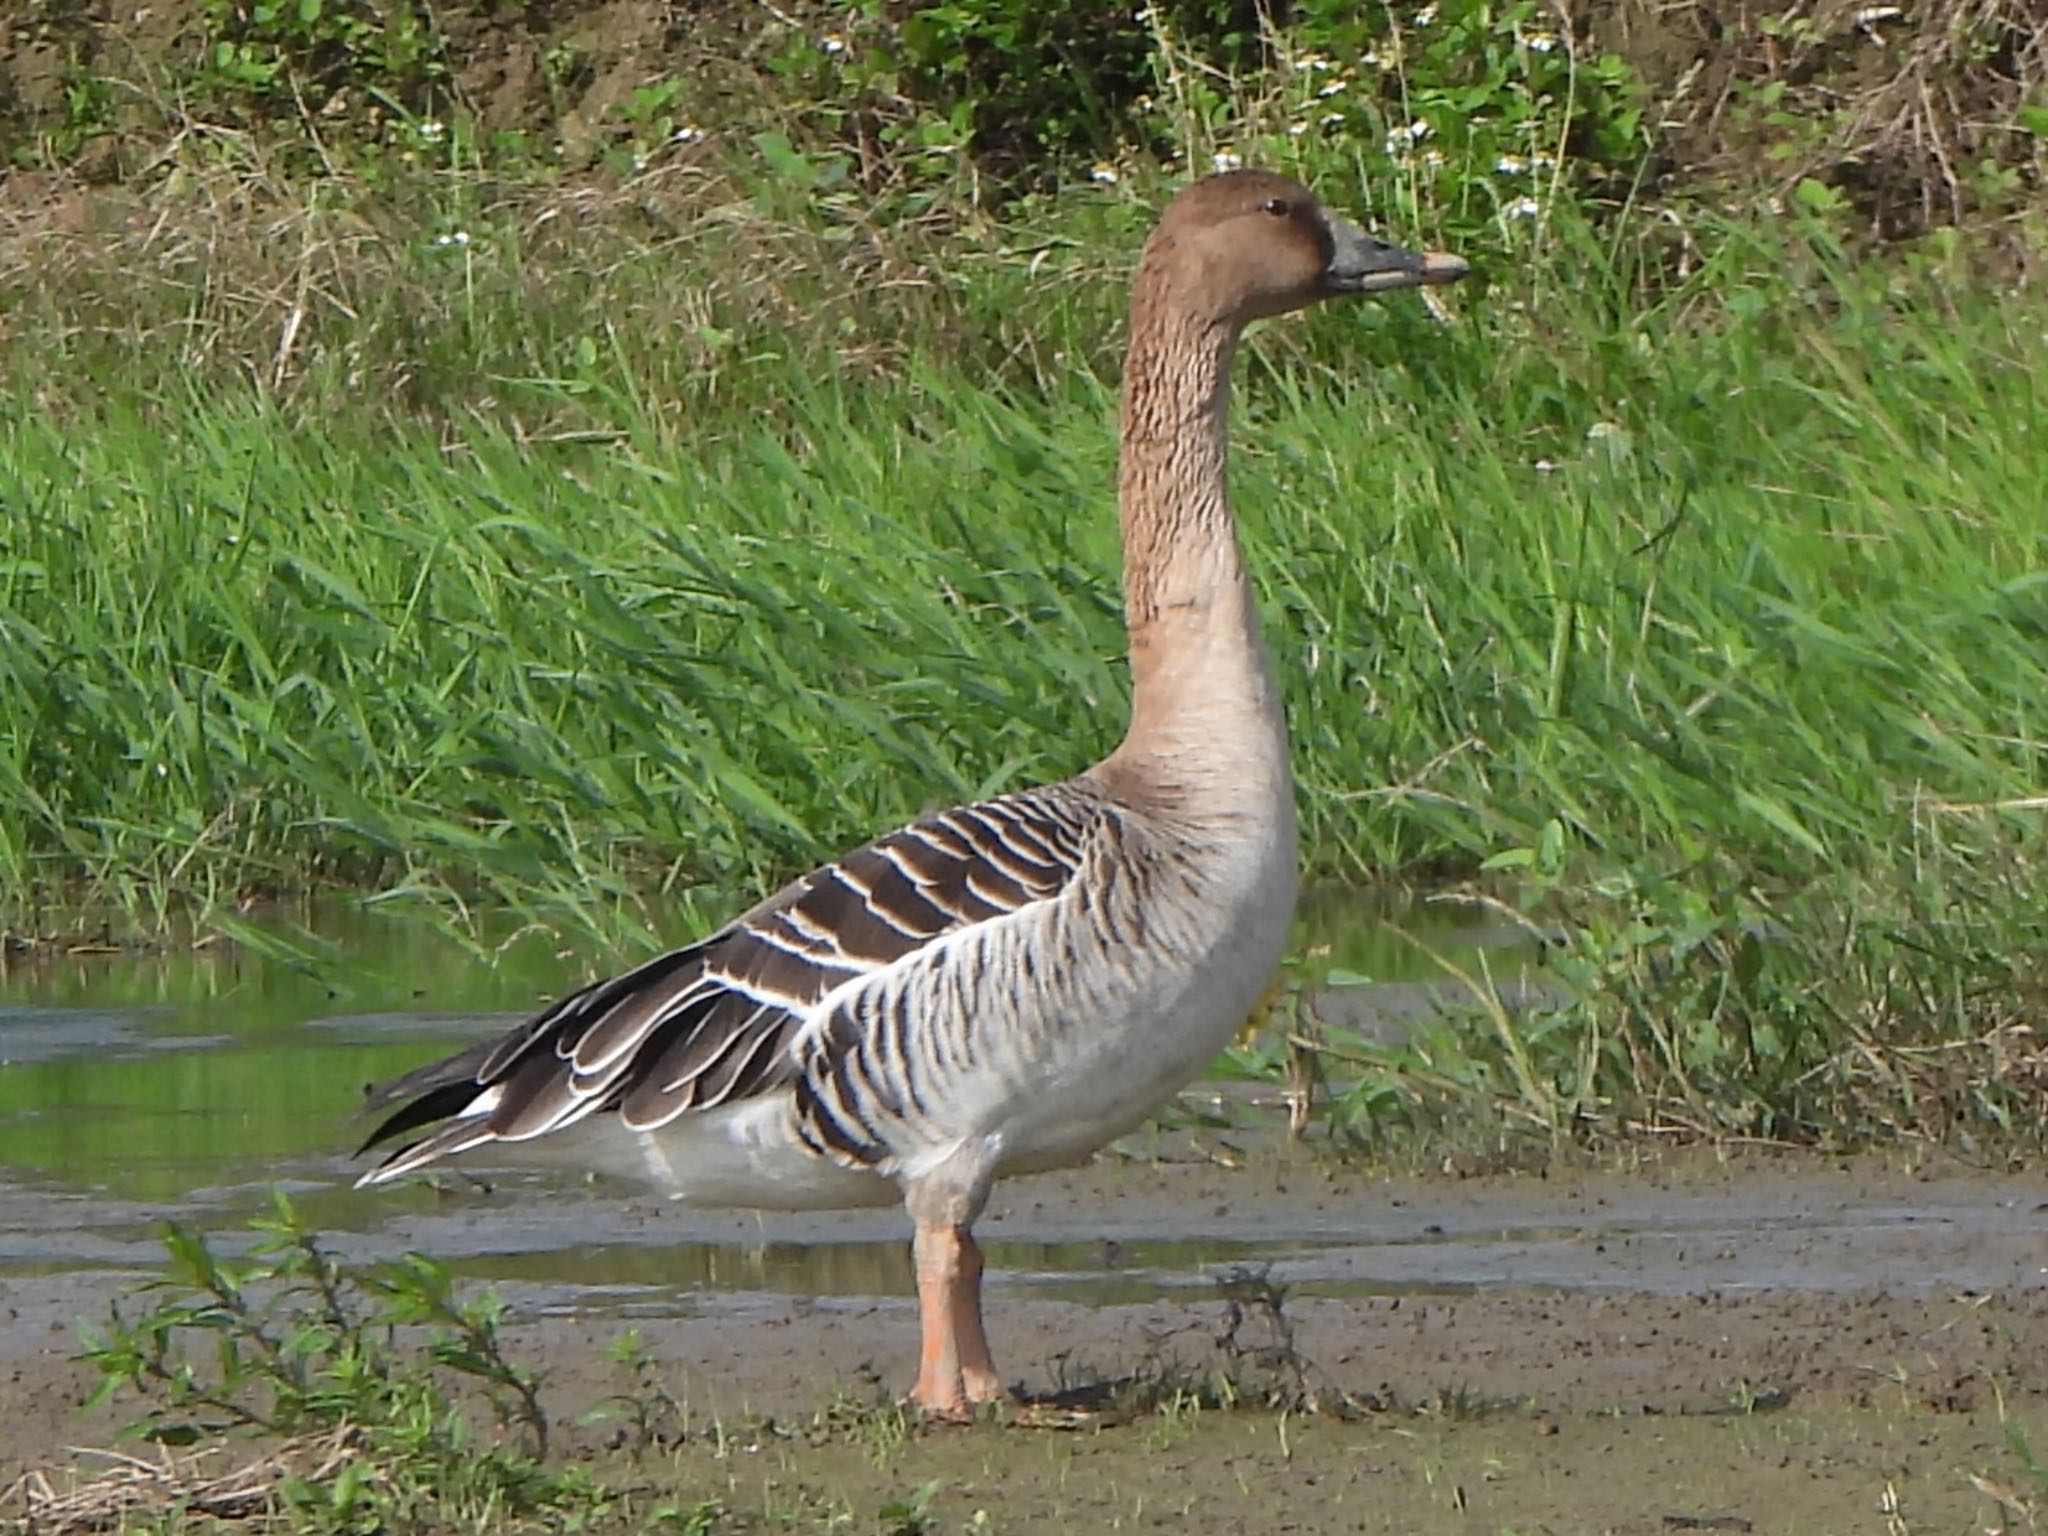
{"x": 1313, "y": 61}
{"x": 1611, "y": 438}
{"x": 1408, "y": 136}
{"x": 689, "y": 133}
{"x": 1226, "y": 160}
{"x": 1371, "y": 59}
{"x": 1103, "y": 172}
{"x": 1545, "y": 467}
{"x": 1426, "y": 17}
{"x": 1871, "y": 15}
{"x": 1296, "y": 130}
{"x": 1540, "y": 42}
{"x": 1522, "y": 208}
{"x": 458, "y": 237}
{"x": 1510, "y": 165}
{"x": 832, "y": 42}
{"x": 1331, "y": 119}
{"x": 1433, "y": 158}
{"x": 1334, "y": 88}
{"x": 433, "y": 130}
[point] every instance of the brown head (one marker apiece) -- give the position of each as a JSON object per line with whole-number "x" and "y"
{"x": 1245, "y": 244}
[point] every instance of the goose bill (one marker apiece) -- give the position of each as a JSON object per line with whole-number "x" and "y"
{"x": 1363, "y": 263}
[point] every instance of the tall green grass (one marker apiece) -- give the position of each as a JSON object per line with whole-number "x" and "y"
{"x": 1771, "y": 590}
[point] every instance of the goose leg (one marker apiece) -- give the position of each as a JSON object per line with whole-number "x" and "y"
{"x": 977, "y": 1370}
{"x": 954, "y": 1370}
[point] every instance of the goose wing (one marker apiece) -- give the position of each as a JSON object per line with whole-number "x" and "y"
{"x": 720, "y": 1020}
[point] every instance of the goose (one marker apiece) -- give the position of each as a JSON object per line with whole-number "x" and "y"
{"x": 1003, "y": 987}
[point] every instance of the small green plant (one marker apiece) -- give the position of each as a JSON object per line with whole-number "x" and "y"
{"x": 1175, "y": 1418}
{"x": 88, "y": 114}
{"x": 2030, "y": 1460}
{"x": 372, "y": 63}
{"x": 646, "y": 1411}
{"x": 288, "y": 1342}
{"x": 910, "y": 1515}
{"x": 654, "y": 121}
{"x": 881, "y": 1426}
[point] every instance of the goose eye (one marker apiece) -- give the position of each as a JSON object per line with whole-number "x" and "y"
{"x": 1277, "y": 206}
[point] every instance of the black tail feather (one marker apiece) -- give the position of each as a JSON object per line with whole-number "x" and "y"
{"x": 425, "y": 1094}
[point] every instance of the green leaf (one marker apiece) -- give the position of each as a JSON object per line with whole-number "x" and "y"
{"x": 1819, "y": 196}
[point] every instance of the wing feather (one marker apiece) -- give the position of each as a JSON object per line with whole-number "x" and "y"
{"x": 600, "y": 1041}
{"x": 722, "y": 1019}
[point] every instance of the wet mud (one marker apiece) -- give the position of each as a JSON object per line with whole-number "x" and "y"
{"x": 1773, "y": 1339}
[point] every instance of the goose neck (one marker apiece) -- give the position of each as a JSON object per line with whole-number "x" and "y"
{"x": 1201, "y": 686}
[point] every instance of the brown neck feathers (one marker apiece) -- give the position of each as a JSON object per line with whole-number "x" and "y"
{"x": 1186, "y": 597}
{"x": 1172, "y": 483}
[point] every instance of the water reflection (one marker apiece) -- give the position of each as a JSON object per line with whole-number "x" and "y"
{"x": 1104, "y": 1270}
{"x": 151, "y": 1077}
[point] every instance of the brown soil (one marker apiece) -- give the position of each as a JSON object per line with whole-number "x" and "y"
{"x": 1907, "y": 110}
{"x": 1800, "y": 1345}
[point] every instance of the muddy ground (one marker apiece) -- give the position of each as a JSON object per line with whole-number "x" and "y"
{"x": 1752, "y": 1343}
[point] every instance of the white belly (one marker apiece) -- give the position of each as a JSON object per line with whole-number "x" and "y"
{"x": 744, "y": 1155}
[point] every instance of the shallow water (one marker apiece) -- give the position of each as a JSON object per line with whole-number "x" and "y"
{"x": 187, "y": 1085}
{"x": 134, "y": 1087}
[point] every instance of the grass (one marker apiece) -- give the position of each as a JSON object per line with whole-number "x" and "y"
{"x": 1676, "y": 612}
{"x": 288, "y": 1346}
{"x": 1767, "y": 587}
{"x": 588, "y": 551}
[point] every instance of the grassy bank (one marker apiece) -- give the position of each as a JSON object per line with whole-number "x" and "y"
{"x": 1764, "y": 592}
{"x": 397, "y": 505}
{"x": 1558, "y": 573}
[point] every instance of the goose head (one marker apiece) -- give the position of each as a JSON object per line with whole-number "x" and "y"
{"x": 1246, "y": 244}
